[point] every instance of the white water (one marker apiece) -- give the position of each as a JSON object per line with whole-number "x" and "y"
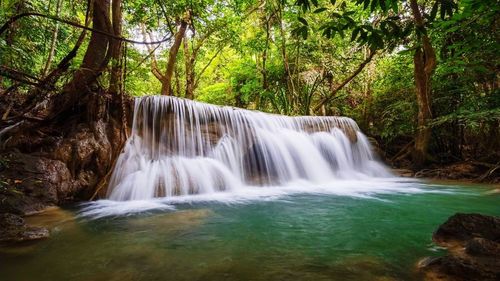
{"x": 179, "y": 148}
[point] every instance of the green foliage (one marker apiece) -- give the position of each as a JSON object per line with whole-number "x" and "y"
{"x": 216, "y": 94}
{"x": 287, "y": 56}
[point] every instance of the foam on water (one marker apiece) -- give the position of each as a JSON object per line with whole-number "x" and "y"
{"x": 370, "y": 190}
{"x": 185, "y": 151}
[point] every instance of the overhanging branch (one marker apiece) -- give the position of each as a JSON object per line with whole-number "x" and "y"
{"x": 15, "y": 18}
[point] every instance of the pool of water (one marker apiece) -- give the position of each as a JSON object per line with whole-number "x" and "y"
{"x": 281, "y": 236}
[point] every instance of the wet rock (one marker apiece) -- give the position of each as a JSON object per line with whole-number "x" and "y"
{"x": 463, "y": 227}
{"x": 14, "y": 229}
{"x": 458, "y": 269}
{"x": 473, "y": 244}
{"x": 482, "y": 247}
{"x": 33, "y": 180}
{"x": 65, "y": 170}
{"x": 403, "y": 172}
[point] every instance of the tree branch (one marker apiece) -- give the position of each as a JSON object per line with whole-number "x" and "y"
{"x": 339, "y": 87}
{"x": 154, "y": 64}
{"x": 13, "y": 19}
{"x": 206, "y": 66}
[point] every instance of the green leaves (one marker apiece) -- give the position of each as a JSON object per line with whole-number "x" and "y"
{"x": 303, "y": 21}
{"x": 434, "y": 10}
{"x": 301, "y": 31}
{"x": 320, "y": 10}
{"x": 383, "y": 5}
{"x": 355, "y": 33}
{"x": 446, "y": 9}
{"x": 306, "y": 4}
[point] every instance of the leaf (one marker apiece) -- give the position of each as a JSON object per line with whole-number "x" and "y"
{"x": 303, "y": 21}
{"x": 434, "y": 11}
{"x": 355, "y": 33}
{"x": 377, "y": 40}
{"x": 335, "y": 15}
{"x": 333, "y": 2}
{"x": 341, "y": 32}
{"x": 443, "y": 11}
{"x": 363, "y": 36}
{"x": 366, "y": 3}
{"x": 350, "y": 20}
{"x": 305, "y": 33}
{"x": 373, "y": 5}
{"x": 327, "y": 32}
{"x": 383, "y": 5}
{"x": 394, "y": 6}
{"x": 320, "y": 10}
{"x": 449, "y": 8}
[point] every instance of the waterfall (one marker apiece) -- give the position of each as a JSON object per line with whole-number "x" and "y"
{"x": 182, "y": 147}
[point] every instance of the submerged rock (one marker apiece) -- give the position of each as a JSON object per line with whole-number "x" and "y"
{"x": 473, "y": 243}
{"x": 14, "y": 229}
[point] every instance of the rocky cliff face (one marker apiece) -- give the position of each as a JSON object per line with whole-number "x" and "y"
{"x": 68, "y": 170}
{"x": 61, "y": 161}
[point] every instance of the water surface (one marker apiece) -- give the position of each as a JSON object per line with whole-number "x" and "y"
{"x": 277, "y": 236}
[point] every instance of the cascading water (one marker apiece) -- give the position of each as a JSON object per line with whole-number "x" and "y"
{"x": 181, "y": 147}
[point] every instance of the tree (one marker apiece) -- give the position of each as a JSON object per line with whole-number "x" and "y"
{"x": 424, "y": 61}
{"x": 387, "y": 28}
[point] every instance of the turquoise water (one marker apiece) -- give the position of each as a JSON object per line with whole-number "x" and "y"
{"x": 295, "y": 237}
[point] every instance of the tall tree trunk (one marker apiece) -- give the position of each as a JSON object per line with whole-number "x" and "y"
{"x": 166, "y": 87}
{"x": 95, "y": 57}
{"x": 116, "y": 48}
{"x": 177, "y": 83}
{"x": 53, "y": 42}
{"x": 288, "y": 75}
{"x": 368, "y": 92}
{"x": 424, "y": 61}
{"x": 265, "y": 83}
{"x": 94, "y": 61}
{"x": 189, "y": 65}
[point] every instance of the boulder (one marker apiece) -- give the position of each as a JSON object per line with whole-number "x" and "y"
{"x": 463, "y": 227}
{"x": 473, "y": 243}
{"x": 14, "y": 229}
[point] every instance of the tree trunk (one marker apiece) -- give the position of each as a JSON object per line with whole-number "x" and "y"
{"x": 166, "y": 87}
{"x": 265, "y": 83}
{"x": 53, "y": 43}
{"x": 116, "y": 48}
{"x": 288, "y": 74}
{"x": 189, "y": 65}
{"x": 424, "y": 62}
{"x": 94, "y": 61}
{"x": 177, "y": 83}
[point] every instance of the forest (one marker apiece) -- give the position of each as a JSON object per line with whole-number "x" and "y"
{"x": 249, "y": 140}
{"x": 420, "y": 77}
